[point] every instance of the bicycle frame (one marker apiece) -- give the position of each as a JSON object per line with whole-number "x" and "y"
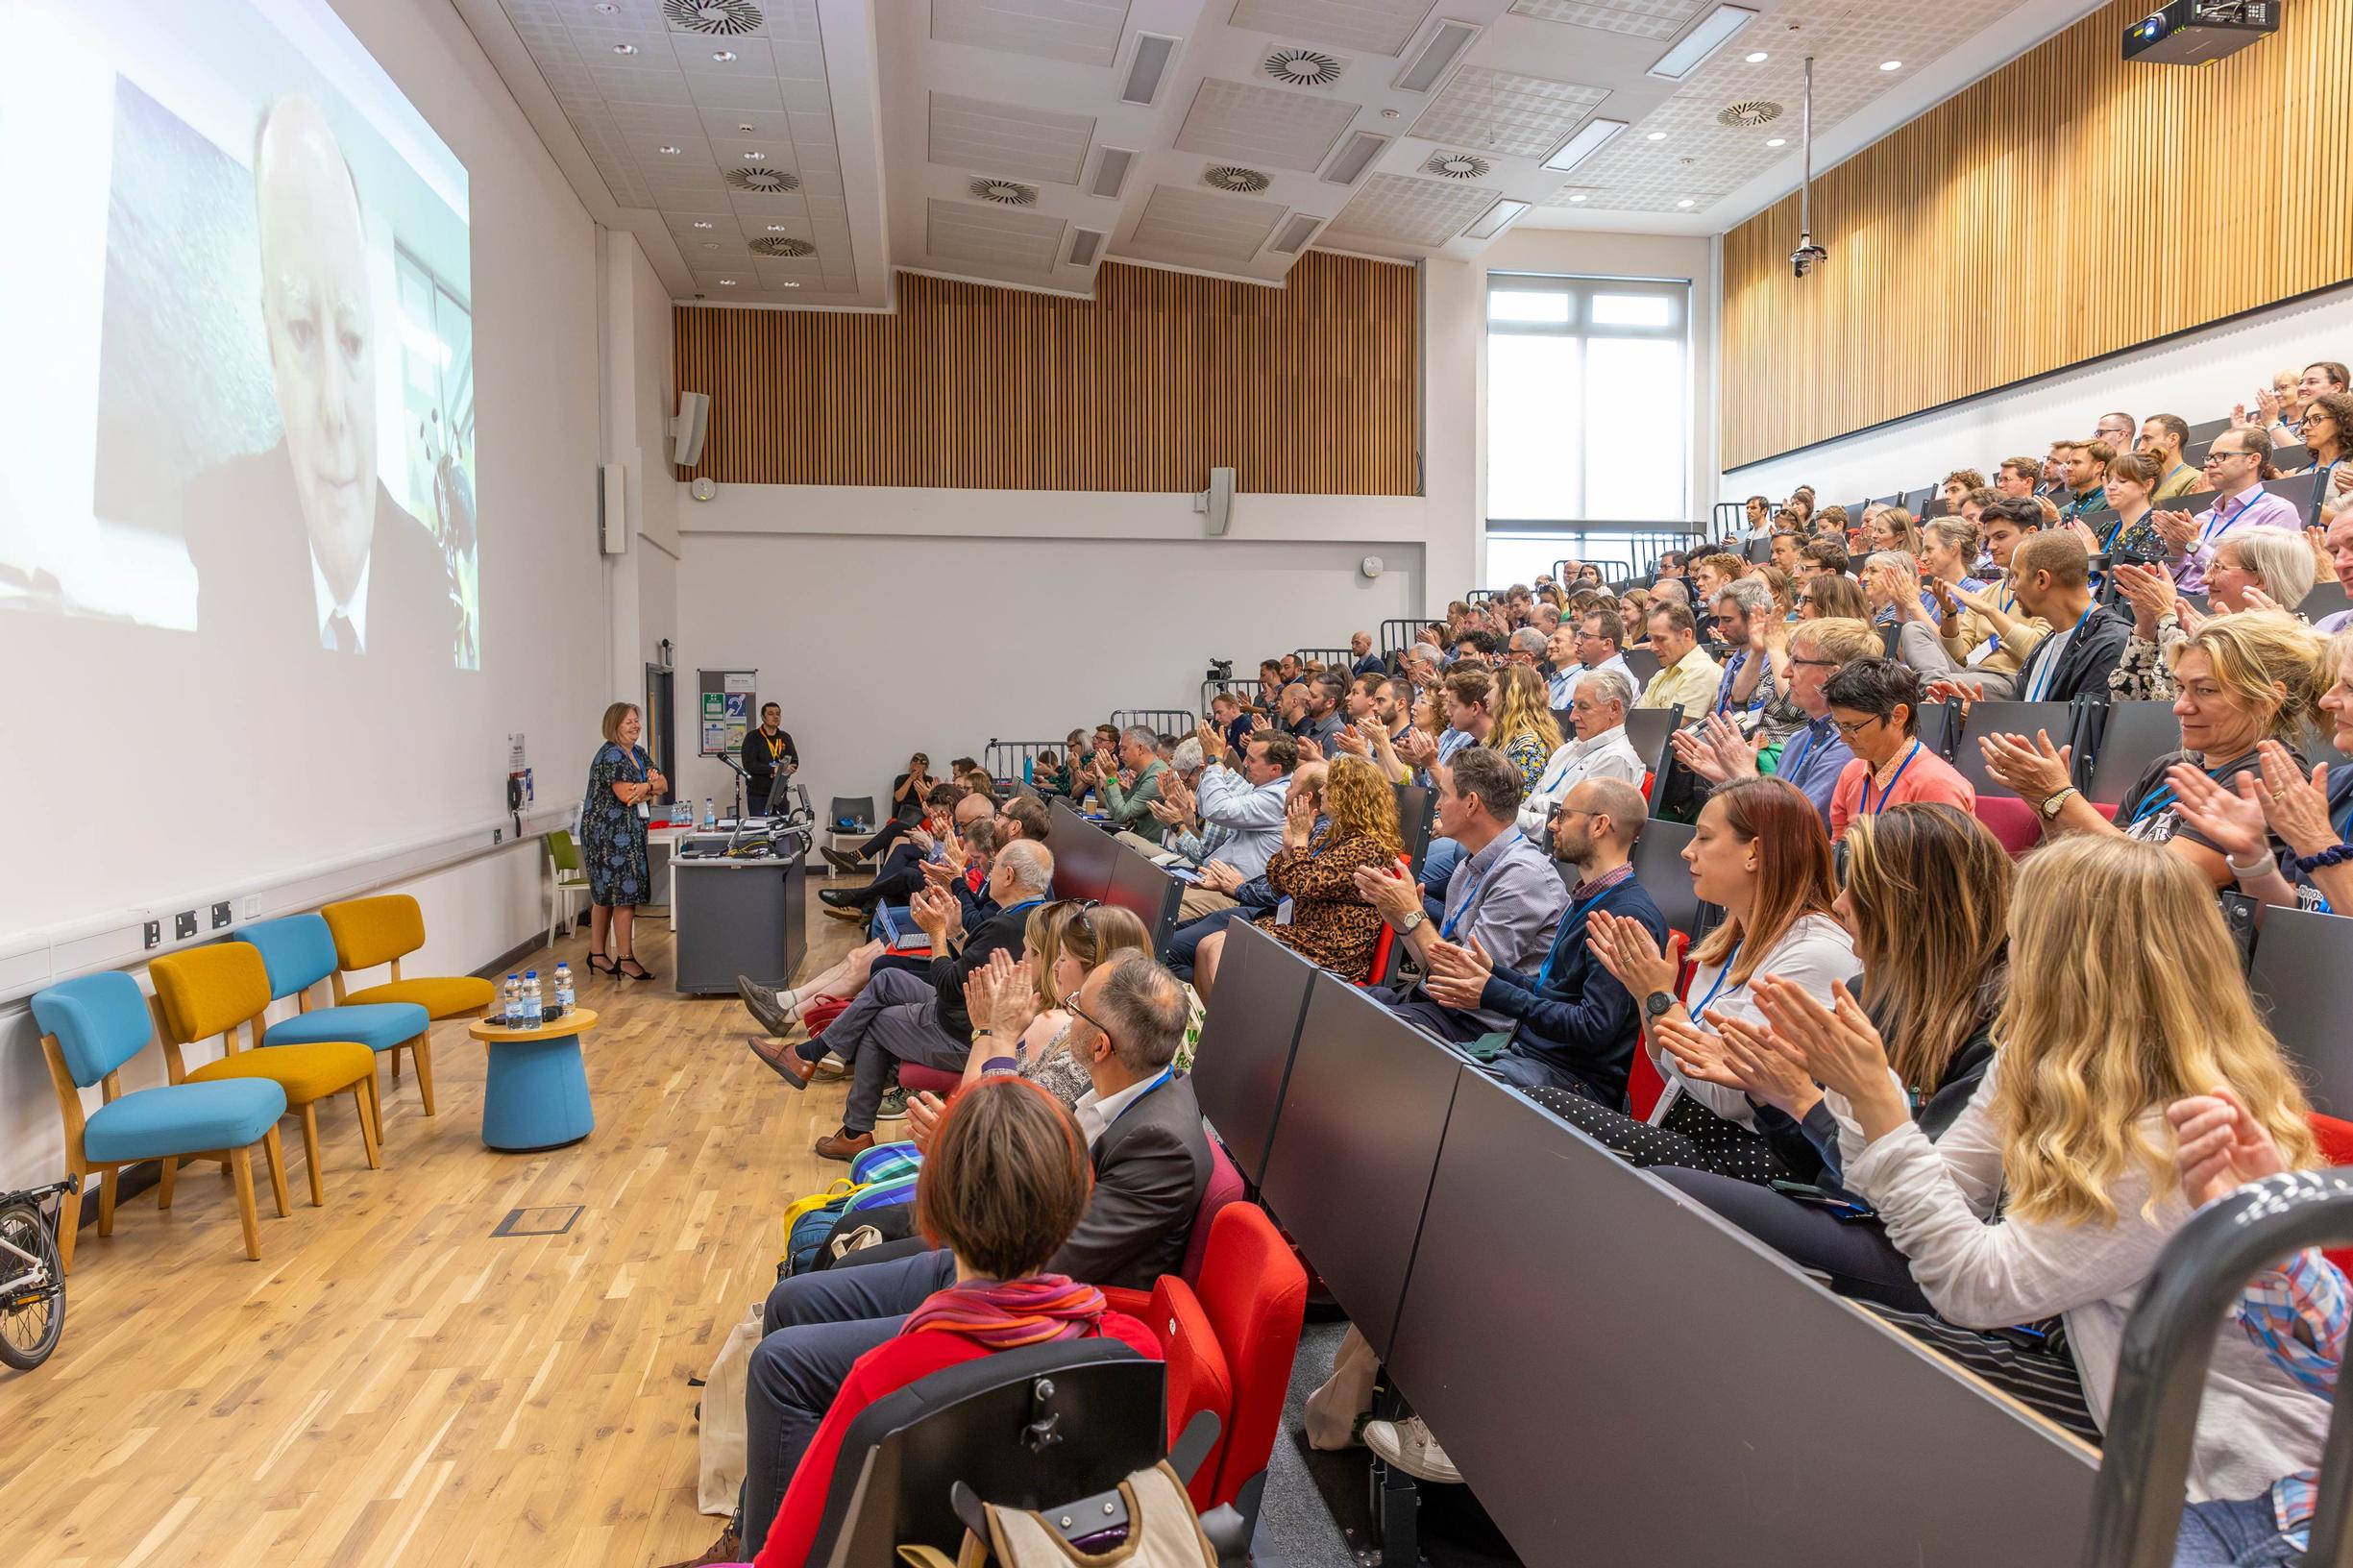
{"x": 34, "y": 1273}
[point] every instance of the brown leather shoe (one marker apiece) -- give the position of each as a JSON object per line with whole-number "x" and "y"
{"x": 783, "y": 1060}
{"x": 844, "y": 1145}
{"x": 728, "y": 1547}
{"x": 857, "y": 916}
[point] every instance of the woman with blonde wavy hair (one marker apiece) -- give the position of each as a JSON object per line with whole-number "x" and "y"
{"x": 2239, "y": 680}
{"x": 2052, "y": 1192}
{"x": 1524, "y": 730}
{"x": 1330, "y": 925}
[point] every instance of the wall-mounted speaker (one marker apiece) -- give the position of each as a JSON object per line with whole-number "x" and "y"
{"x": 687, "y": 430}
{"x": 613, "y": 509}
{"x": 1218, "y": 501}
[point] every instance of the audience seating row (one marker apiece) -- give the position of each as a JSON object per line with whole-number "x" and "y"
{"x": 1446, "y": 1205}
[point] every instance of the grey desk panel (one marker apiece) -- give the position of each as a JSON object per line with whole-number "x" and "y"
{"x": 1247, "y": 1040}
{"x": 736, "y": 916}
{"x": 1625, "y": 1379}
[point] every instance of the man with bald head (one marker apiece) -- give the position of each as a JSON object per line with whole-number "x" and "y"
{"x": 303, "y": 539}
{"x": 1574, "y": 1027}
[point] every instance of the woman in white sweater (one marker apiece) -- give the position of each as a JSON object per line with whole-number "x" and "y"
{"x": 2052, "y": 1191}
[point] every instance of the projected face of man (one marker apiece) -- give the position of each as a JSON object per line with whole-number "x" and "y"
{"x": 315, "y": 301}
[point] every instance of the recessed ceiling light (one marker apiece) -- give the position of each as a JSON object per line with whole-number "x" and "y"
{"x": 754, "y": 157}
{"x": 1712, "y": 33}
{"x": 1655, "y": 135}
{"x": 775, "y": 227}
{"x": 726, "y": 283}
{"x": 702, "y": 223}
{"x": 1757, "y": 58}
{"x": 1776, "y": 141}
{"x": 1590, "y": 139}
{"x": 1686, "y": 201}
{"x": 745, "y": 128}
{"x": 722, "y": 56}
{"x": 607, "y": 7}
{"x": 1577, "y": 197}
{"x": 670, "y": 151}
{"x": 624, "y": 48}
{"x": 1891, "y": 64}
{"x": 788, "y": 286}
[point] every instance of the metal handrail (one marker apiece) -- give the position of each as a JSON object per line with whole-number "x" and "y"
{"x": 2161, "y": 1367}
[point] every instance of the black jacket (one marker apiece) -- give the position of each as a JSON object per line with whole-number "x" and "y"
{"x": 2090, "y": 655}
{"x": 760, "y": 764}
{"x": 1151, "y": 1167}
{"x": 1002, "y": 929}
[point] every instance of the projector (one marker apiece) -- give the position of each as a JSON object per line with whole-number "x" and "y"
{"x": 2199, "y": 32}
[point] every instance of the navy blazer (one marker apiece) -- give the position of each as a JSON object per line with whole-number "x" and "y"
{"x": 1581, "y": 1021}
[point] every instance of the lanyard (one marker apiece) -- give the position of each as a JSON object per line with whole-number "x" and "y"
{"x": 1724, "y": 973}
{"x": 1731, "y": 672}
{"x": 1470, "y": 894}
{"x": 2213, "y": 533}
{"x": 2164, "y": 798}
{"x": 628, "y": 759}
{"x": 1568, "y": 922}
{"x": 1790, "y": 766}
{"x": 2048, "y": 670}
{"x": 1165, "y": 1073}
{"x": 775, "y": 745}
{"x": 1891, "y": 783}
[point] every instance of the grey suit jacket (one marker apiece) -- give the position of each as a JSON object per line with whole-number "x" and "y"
{"x": 1151, "y": 1167}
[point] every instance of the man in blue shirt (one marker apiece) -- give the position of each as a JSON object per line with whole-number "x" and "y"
{"x": 1812, "y": 758}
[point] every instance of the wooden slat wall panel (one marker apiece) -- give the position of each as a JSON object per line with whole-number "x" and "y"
{"x": 2067, "y": 207}
{"x": 1307, "y": 389}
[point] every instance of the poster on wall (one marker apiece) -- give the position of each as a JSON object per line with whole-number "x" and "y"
{"x": 739, "y": 710}
{"x": 714, "y": 736}
{"x": 714, "y": 707}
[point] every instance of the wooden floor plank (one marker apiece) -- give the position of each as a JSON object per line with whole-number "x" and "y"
{"x": 391, "y": 1383}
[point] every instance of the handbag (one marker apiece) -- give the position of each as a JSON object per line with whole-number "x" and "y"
{"x": 1163, "y": 1532}
{"x": 721, "y": 1444}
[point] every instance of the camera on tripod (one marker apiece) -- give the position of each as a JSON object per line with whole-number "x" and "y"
{"x": 1220, "y": 670}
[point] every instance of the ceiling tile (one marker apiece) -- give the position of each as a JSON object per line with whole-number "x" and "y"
{"x": 1082, "y": 32}
{"x": 1198, "y": 223}
{"x": 1263, "y": 126}
{"x": 1384, "y": 27}
{"x": 1483, "y": 109}
{"x": 991, "y": 236}
{"x": 1009, "y": 139}
{"x": 1408, "y": 212}
{"x": 1659, "y": 19}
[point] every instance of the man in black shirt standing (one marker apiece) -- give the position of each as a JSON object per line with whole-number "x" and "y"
{"x": 768, "y": 752}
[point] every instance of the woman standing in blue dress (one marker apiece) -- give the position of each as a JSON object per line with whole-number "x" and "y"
{"x": 613, "y": 816}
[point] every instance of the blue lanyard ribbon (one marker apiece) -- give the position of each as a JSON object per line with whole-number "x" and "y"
{"x": 1165, "y": 1073}
{"x": 1722, "y": 975}
{"x": 2048, "y": 670}
{"x": 1891, "y": 783}
{"x": 1470, "y": 894}
{"x": 629, "y": 755}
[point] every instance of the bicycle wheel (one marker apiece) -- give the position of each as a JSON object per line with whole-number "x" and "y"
{"x": 32, "y": 1314}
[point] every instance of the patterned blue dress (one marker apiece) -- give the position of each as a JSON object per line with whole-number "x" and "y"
{"x": 612, "y": 835}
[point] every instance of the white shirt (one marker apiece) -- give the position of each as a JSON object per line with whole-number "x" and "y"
{"x": 1563, "y": 686}
{"x": 356, "y": 612}
{"x": 1816, "y": 951}
{"x": 1607, "y": 755}
{"x": 1095, "y": 1115}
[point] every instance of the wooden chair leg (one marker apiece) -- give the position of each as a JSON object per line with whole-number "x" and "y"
{"x": 371, "y": 1101}
{"x": 242, "y": 1161}
{"x": 396, "y": 1066}
{"x": 107, "y": 1185}
{"x": 275, "y": 1158}
{"x": 364, "y": 1095}
{"x": 165, "y": 1181}
{"x": 423, "y": 1045}
{"x": 311, "y": 1154}
{"x": 69, "y": 1226}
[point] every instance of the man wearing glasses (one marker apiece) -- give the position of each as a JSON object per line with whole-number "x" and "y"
{"x": 1813, "y": 757}
{"x": 2234, "y": 472}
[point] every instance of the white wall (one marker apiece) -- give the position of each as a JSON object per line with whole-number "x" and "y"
{"x": 389, "y": 758}
{"x": 2198, "y": 377}
{"x": 641, "y": 583}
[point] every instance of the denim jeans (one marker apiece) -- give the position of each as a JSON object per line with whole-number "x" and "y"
{"x": 2242, "y": 1534}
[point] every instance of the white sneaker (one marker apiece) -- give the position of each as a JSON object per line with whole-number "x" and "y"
{"x": 831, "y": 1066}
{"x": 1409, "y": 1446}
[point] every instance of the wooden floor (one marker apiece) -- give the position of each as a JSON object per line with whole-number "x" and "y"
{"x": 391, "y": 1383}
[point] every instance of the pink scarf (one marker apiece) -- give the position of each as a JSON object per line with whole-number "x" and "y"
{"x": 1004, "y": 1314}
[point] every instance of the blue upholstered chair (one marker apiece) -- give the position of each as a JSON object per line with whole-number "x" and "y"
{"x": 299, "y": 952}
{"x": 89, "y": 1028}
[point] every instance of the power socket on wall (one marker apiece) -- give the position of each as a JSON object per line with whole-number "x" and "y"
{"x": 183, "y": 925}
{"x": 220, "y": 916}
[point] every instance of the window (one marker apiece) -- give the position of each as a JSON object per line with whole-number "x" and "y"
{"x": 1588, "y": 409}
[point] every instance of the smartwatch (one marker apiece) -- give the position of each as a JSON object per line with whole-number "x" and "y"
{"x": 1658, "y": 1004}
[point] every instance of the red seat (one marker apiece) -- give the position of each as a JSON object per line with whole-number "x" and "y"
{"x": 915, "y": 1077}
{"x": 1643, "y": 1083}
{"x": 1225, "y": 1185}
{"x": 1385, "y": 948}
{"x": 1199, "y": 1376}
{"x": 1256, "y": 1295}
{"x": 2336, "y": 1139}
{"x": 2011, "y": 821}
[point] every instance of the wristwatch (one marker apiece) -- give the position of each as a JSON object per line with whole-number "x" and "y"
{"x": 1658, "y": 1004}
{"x": 1411, "y": 919}
{"x": 2049, "y": 808}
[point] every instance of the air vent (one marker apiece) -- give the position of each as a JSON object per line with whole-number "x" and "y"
{"x": 1748, "y": 111}
{"x": 719, "y": 16}
{"x": 1458, "y": 166}
{"x": 1110, "y": 171}
{"x": 783, "y": 246}
{"x": 1296, "y": 233}
{"x": 1004, "y": 192}
{"x": 1355, "y": 156}
{"x": 1084, "y": 244}
{"x": 1493, "y": 220}
{"x": 1230, "y": 177}
{"x": 1444, "y": 48}
{"x": 763, "y": 182}
{"x": 1301, "y": 67}
{"x": 1149, "y": 68}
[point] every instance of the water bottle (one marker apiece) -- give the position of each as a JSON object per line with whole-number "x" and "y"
{"x": 563, "y": 988}
{"x": 530, "y": 1000}
{"x": 710, "y": 813}
{"x": 512, "y": 1011}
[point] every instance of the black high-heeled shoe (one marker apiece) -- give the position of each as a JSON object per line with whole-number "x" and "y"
{"x": 629, "y": 969}
{"x": 610, "y": 966}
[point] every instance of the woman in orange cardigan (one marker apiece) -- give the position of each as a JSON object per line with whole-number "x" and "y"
{"x": 1004, "y": 1186}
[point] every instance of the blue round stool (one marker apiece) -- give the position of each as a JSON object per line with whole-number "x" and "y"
{"x": 535, "y": 1091}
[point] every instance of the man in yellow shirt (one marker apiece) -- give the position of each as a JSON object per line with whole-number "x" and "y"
{"x": 2161, "y": 438}
{"x": 1687, "y": 678}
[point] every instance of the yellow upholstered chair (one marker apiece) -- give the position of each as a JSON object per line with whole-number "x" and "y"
{"x": 221, "y": 989}
{"x": 385, "y": 930}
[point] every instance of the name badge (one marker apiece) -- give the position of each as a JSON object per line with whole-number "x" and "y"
{"x": 645, "y": 811}
{"x": 1982, "y": 652}
{"x": 1282, "y": 913}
